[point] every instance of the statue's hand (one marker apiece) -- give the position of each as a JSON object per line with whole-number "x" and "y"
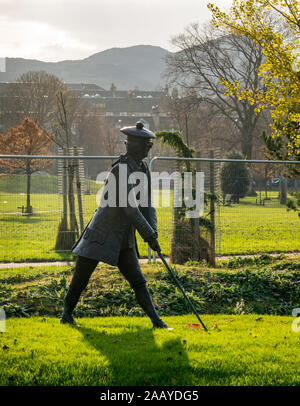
{"x": 154, "y": 245}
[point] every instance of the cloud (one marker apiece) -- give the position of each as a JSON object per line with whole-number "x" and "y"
{"x": 72, "y": 29}
{"x": 37, "y": 40}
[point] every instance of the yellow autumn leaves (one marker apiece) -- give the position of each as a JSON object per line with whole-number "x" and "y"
{"x": 262, "y": 21}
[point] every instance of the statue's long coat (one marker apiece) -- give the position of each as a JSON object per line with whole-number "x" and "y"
{"x": 113, "y": 228}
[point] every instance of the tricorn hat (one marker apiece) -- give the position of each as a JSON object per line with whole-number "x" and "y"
{"x": 138, "y": 131}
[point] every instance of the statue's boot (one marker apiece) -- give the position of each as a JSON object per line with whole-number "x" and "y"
{"x": 82, "y": 273}
{"x": 130, "y": 268}
{"x": 144, "y": 300}
{"x": 71, "y": 300}
{"x": 67, "y": 317}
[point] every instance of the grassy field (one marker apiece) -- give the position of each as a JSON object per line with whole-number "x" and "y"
{"x": 251, "y": 228}
{"x": 240, "y": 229}
{"x": 246, "y": 305}
{"x": 125, "y": 351}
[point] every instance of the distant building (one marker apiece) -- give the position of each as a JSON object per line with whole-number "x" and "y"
{"x": 125, "y": 107}
{"x": 120, "y": 107}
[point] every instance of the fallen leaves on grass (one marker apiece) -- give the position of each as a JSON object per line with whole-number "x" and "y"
{"x": 194, "y": 325}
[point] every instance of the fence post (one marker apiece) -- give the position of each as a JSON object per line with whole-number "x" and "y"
{"x": 79, "y": 190}
{"x": 65, "y": 184}
{"x": 212, "y": 209}
{"x": 283, "y": 190}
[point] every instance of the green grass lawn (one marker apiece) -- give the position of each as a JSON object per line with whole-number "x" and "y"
{"x": 126, "y": 351}
{"x": 250, "y": 228}
{"x": 240, "y": 229}
{"x": 246, "y": 305}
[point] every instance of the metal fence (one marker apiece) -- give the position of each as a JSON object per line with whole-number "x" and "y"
{"x": 246, "y": 207}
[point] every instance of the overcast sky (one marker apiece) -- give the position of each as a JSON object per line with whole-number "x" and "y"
{"x": 54, "y": 30}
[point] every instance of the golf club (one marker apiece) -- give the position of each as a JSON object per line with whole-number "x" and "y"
{"x": 181, "y": 288}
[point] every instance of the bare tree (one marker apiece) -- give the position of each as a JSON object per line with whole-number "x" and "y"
{"x": 204, "y": 57}
{"x": 33, "y": 95}
{"x": 98, "y": 136}
{"x": 203, "y": 126}
{"x": 181, "y": 110}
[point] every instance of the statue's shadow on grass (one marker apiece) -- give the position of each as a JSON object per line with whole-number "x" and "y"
{"x": 137, "y": 359}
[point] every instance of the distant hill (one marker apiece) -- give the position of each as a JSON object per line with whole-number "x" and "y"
{"x": 140, "y": 65}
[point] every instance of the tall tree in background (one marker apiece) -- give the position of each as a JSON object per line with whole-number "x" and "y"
{"x": 202, "y": 126}
{"x": 98, "y": 137}
{"x": 280, "y": 70}
{"x": 26, "y": 139}
{"x": 205, "y": 55}
{"x": 181, "y": 110}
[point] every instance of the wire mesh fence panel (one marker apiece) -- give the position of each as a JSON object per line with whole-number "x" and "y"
{"x": 43, "y": 222}
{"x": 254, "y": 213}
{"x": 250, "y": 208}
{"x": 185, "y": 230}
{"x": 243, "y": 207}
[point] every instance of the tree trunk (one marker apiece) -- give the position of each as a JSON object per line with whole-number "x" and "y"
{"x": 247, "y": 146}
{"x": 79, "y": 191}
{"x": 28, "y": 172}
{"x": 283, "y": 190}
{"x": 71, "y": 199}
{"x": 62, "y": 238}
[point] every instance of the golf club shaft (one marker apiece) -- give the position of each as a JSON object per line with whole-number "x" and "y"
{"x": 181, "y": 288}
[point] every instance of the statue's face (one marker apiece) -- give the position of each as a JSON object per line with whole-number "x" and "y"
{"x": 138, "y": 148}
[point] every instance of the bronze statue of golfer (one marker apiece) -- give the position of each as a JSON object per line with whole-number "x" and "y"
{"x": 110, "y": 235}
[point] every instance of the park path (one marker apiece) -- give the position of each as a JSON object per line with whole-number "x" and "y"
{"x": 142, "y": 260}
